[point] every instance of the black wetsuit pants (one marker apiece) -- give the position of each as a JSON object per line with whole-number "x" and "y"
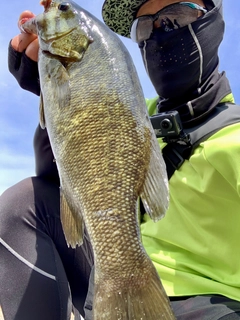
{"x": 42, "y": 279}
{"x": 40, "y": 276}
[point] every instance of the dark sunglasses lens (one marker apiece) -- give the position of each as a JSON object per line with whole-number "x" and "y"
{"x": 172, "y": 17}
{"x": 141, "y": 29}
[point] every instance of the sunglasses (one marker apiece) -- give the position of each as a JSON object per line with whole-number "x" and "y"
{"x": 172, "y": 17}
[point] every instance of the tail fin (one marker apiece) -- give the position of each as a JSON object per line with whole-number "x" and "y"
{"x": 138, "y": 301}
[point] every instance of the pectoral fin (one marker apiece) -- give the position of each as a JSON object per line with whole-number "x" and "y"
{"x": 155, "y": 195}
{"x": 72, "y": 223}
{"x": 63, "y": 88}
{"x": 41, "y": 112}
{"x": 60, "y": 80}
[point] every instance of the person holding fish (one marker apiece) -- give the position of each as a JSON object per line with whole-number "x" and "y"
{"x": 195, "y": 247}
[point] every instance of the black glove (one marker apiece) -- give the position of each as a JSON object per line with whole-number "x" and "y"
{"x": 24, "y": 70}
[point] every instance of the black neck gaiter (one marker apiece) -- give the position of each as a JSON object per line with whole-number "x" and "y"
{"x": 183, "y": 66}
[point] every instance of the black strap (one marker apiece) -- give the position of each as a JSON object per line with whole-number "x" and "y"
{"x": 175, "y": 153}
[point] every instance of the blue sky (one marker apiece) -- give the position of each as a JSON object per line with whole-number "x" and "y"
{"x": 19, "y": 108}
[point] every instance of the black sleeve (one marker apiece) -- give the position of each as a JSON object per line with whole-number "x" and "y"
{"x": 26, "y": 73}
{"x": 24, "y": 70}
{"x": 44, "y": 159}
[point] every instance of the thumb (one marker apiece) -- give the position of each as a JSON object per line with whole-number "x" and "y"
{"x": 24, "y": 16}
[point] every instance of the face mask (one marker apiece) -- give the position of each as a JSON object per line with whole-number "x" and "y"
{"x": 178, "y": 62}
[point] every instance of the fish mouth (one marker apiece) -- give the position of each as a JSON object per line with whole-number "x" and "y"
{"x": 59, "y": 36}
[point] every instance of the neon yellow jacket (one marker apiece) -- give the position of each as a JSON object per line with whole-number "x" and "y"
{"x": 196, "y": 246}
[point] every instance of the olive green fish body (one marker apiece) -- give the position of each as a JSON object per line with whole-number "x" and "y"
{"x": 107, "y": 156}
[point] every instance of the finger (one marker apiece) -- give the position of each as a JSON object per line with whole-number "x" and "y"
{"x": 32, "y": 50}
{"x": 24, "y": 16}
{"x": 22, "y": 41}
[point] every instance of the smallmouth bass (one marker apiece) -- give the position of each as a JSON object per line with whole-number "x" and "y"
{"x": 107, "y": 156}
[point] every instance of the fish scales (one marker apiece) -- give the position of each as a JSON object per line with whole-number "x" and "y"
{"x": 107, "y": 156}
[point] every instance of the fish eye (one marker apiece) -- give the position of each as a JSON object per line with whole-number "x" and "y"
{"x": 64, "y": 6}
